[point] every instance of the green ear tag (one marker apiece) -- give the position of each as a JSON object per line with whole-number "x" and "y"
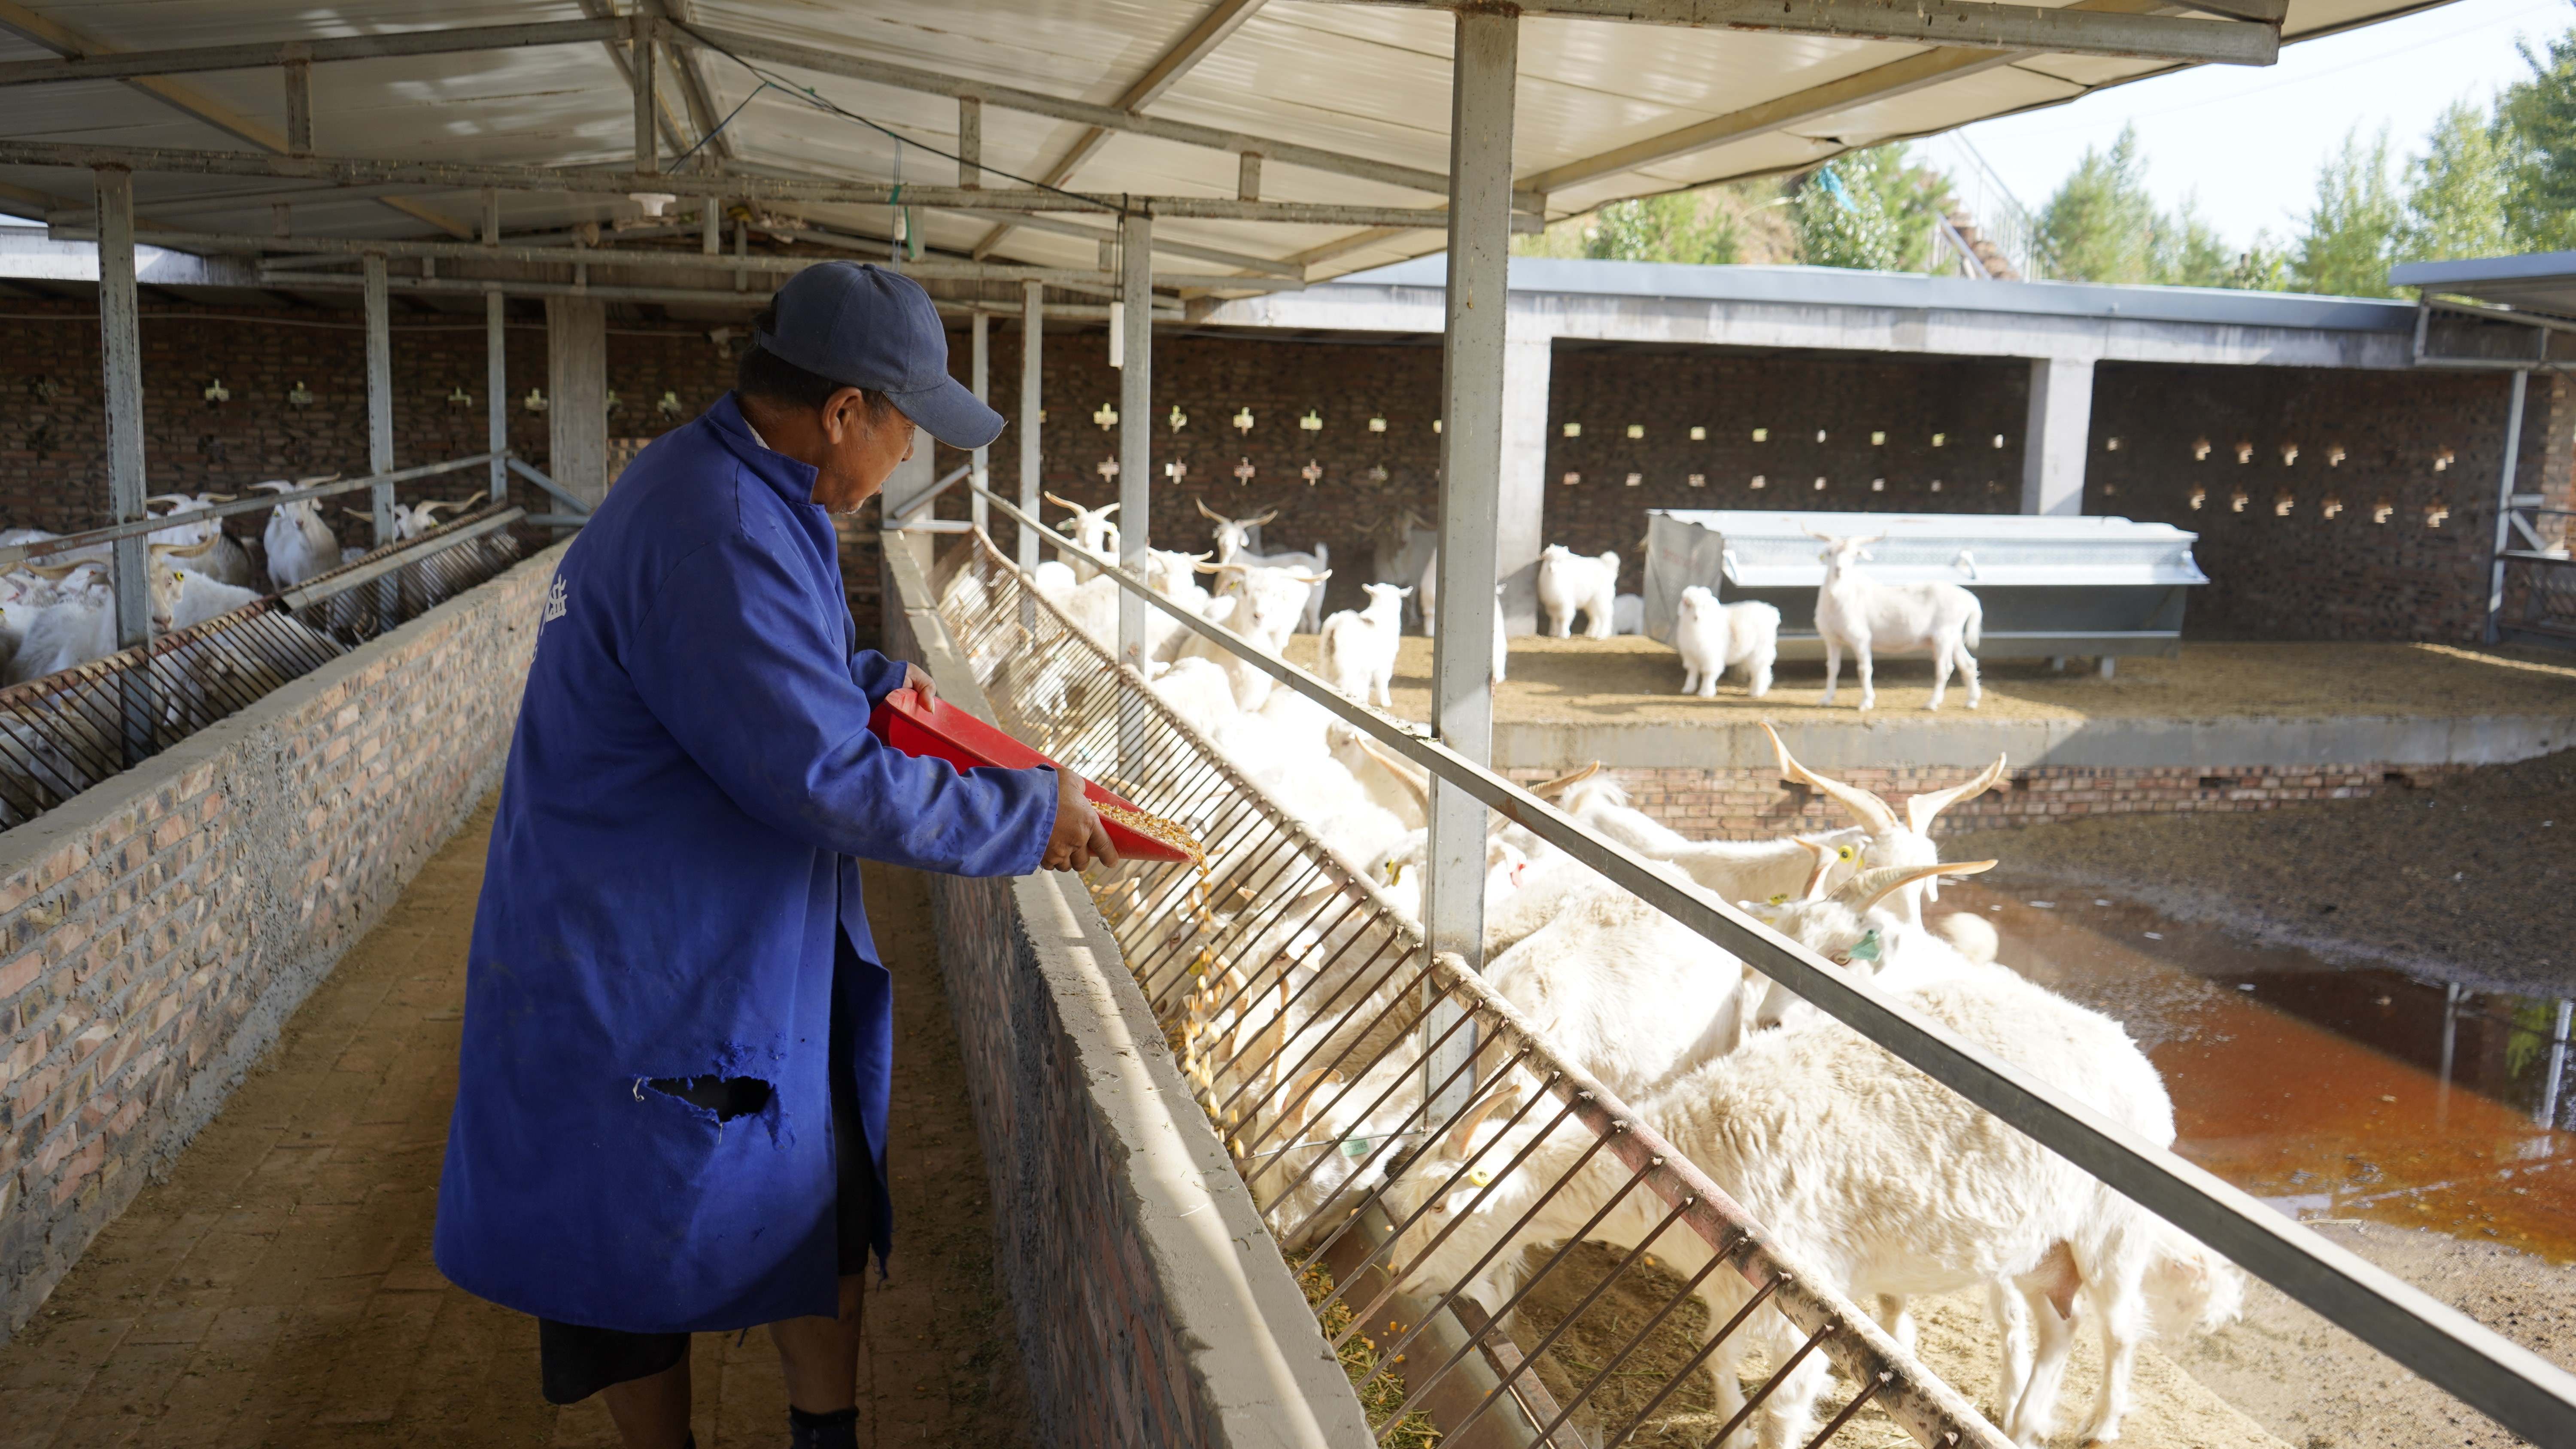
{"x": 1867, "y": 950}
{"x": 1355, "y": 1147}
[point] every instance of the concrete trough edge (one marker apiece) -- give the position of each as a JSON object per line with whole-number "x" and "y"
{"x": 1957, "y": 739}
{"x": 1254, "y": 1371}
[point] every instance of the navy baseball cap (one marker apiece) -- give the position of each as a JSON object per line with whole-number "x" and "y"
{"x": 863, "y": 326}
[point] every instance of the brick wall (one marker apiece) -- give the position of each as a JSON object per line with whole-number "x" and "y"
{"x": 2412, "y": 443}
{"x": 157, "y": 931}
{"x": 1755, "y": 804}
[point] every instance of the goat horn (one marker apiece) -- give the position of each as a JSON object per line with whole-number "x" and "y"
{"x": 1210, "y": 513}
{"x": 1551, "y": 789}
{"x": 278, "y": 484}
{"x": 173, "y": 550}
{"x": 1920, "y": 809}
{"x": 1301, "y": 1087}
{"x": 221, "y": 497}
{"x": 317, "y": 479}
{"x": 1815, "y": 873}
{"x": 1872, "y": 886}
{"x": 153, "y": 498}
{"x": 1265, "y": 518}
{"x": 56, "y": 571}
{"x": 1462, "y": 1132}
{"x": 1870, "y": 810}
{"x": 1400, "y": 770}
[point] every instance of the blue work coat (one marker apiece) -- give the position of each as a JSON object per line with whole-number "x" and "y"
{"x": 689, "y": 789}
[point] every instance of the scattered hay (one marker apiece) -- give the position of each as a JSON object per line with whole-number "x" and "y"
{"x": 1359, "y": 1356}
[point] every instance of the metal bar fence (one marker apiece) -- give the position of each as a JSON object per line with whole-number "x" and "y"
{"x": 1297, "y": 997}
{"x": 2483, "y": 1369}
{"x": 66, "y": 731}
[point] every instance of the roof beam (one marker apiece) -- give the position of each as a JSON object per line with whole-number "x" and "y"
{"x": 1109, "y": 118}
{"x": 1933, "y": 22}
{"x": 62, "y": 39}
{"x": 1913, "y": 73}
{"x": 125, "y": 65}
{"x": 1221, "y": 20}
{"x": 1163, "y": 245}
{"x": 694, "y": 91}
{"x": 461, "y": 177}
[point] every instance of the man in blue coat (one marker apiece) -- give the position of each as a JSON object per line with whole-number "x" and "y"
{"x": 671, "y": 1100}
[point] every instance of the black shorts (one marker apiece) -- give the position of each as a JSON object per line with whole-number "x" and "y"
{"x": 577, "y": 1361}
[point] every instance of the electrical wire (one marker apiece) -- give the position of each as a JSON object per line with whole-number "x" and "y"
{"x": 770, "y": 80}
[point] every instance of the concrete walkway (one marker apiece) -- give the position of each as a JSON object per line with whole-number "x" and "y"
{"x": 277, "y": 1289}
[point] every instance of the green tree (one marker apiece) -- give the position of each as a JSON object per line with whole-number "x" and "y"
{"x": 2535, "y": 135}
{"x": 2455, "y": 192}
{"x": 2188, "y": 252}
{"x": 1675, "y": 227}
{"x": 2101, "y": 226}
{"x": 2351, "y": 232}
{"x": 1910, "y": 195}
{"x": 1840, "y": 225}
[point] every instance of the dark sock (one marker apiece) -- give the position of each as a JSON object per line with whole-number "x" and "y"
{"x": 838, "y": 1429}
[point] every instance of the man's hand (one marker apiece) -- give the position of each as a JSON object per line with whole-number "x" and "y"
{"x": 1079, "y": 838}
{"x": 918, "y": 680}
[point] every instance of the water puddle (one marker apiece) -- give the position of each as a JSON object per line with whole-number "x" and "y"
{"x": 2330, "y": 1092}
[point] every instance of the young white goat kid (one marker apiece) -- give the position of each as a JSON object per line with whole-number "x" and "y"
{"x": 1569, "y": 583}
{"x": 1356, "y": 652}
{"x": 1864, "y": 617}
{"x": 1712, "y": 637}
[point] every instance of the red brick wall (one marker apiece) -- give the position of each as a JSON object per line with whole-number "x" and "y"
{"x": 156, "y": 932}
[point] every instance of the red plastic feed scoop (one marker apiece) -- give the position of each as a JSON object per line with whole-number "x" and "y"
{"x": 945, "y": 732}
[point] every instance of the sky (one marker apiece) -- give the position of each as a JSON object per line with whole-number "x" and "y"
{"x": 2247, "y": 141}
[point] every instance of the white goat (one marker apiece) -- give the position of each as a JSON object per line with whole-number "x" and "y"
{"x": 1628, "y": 614}
{"x": 300, "y": 545}
{"x": 228, "y": 562}
{"x": 1568, "y": 582}
{"x": 1262, "y": 605}
{"x": 1095, "y": 537}
{"x": 1712, "y": 636}
{"x": 1198, "y": 691}
{"x": 1356, "y": 651}
{"x": 1233, "y": 546}
{"x": 1906, "y": 842}
{"x": 1864, "y": 617}
{"x": 1880, "y": 1179}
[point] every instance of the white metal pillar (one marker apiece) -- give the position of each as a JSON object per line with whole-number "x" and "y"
{"x": 1474, "y": 345}
{"x": 120, "y": 327}
{"x": 496, "y": 388}
{"x": 1527, "y": 362}
{"x": 980, "y": 367}
{"x": 2504, "y": 497}
{"x": 1135, "y": 421}
{"x": 380, "y": 427}
{"x": 2053, "y": 443}
{"x": 1032, "y": 334}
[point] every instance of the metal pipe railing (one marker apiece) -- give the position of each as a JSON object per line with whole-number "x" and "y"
{"x": 12, "y": 556}
{"x": 2483, "y": 1369}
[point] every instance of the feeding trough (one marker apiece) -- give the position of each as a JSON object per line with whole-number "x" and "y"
{"x": 2051, "y": 587}
{"x": 943, "y": 731}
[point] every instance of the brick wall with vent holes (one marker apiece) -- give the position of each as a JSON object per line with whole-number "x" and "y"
{"x": 157, "y": 931}
{"x": 2294, "y": 575}
{"x": 1754, "y": 803}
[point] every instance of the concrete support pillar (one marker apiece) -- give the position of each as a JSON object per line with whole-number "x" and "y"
{"x": 120, "y": 328}
{"x": 2053, "y": 443}
{"x": 1135, "y": 422}
{"x": 1522, "y": 506}
{"x": 1475, "y": 357}
{"x": 1032, "y": 334}
{"x": 496, "y": 388}
{"x": 2505, "y": 490}
{"x": 577, "y": 386}
{"x": 980, "y": 377}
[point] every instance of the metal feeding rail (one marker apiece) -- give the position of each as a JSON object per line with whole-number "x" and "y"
{"x": 2481, "y": 1368}
{"x": 1298, "y": 998}
{"x": 72, "y": 729}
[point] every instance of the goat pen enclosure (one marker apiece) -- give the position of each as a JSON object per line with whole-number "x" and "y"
{"x": 1346, "y": 1070}
{"x": 70, "y": 730}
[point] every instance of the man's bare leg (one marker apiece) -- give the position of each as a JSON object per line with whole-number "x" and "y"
{"x": 820, "y": 1356}
{"x": 652, "y": 1413}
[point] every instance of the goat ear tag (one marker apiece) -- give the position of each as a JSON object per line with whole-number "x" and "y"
{"x": 1480, "y": 1178}
{"x": 1781, "y": 899}
{"x": 1867, "y": 950}
{"x": 1844, "y": 854}
{"x": 1355, "y": 1147}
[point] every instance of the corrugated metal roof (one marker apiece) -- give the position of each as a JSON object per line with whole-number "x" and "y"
{"x": 2543, "y": 282}
{"x": 1361, "y": 79}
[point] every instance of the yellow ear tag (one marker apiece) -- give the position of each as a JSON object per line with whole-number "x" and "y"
{"x": 1479, "y": 1178}
{"x": 1844, "y": 854}
{"x": 1781, "y": 899}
